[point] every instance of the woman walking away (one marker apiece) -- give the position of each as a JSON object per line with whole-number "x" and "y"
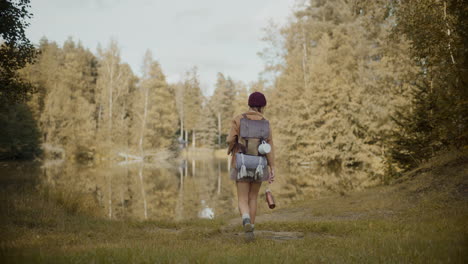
{"x": 251, "y": 145}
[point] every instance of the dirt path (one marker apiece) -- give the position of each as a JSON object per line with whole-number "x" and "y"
{"x": 305, "y": 214}
{"x": 359, "y": 206}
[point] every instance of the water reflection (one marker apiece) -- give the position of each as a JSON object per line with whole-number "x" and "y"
{"x": 190, "y": 189}
{"x": 206, "y": 212}
{"x": 184, "y": 189}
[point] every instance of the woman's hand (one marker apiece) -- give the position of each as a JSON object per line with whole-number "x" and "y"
{"x": 271, "y": 177}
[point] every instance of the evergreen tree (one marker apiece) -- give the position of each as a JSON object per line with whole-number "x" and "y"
{"x": 339, "y": 83}
{"x": 207, "y": 130}
{"x": 155, "y": 108}
{"x": 19, "y": 136}
{"x": 193, "y": 99}
{"x": 68, "y": 114}
{"x": 438, "y": 115}
{"x": 241, "y": 97}
{"x": 222, "y": 104}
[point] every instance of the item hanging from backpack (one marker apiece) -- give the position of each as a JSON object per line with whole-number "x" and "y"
{"x": 252, "y": 133}
{"x": 249, "y": 166}
{"x": 264, "y": 148}
{"x": 250, "y": 163}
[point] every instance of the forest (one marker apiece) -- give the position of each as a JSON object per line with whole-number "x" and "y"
{"x": 368, "y": 106}
{"x": 362, "y": 89}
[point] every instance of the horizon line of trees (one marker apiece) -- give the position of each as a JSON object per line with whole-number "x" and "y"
{"x": 94, "y": 105}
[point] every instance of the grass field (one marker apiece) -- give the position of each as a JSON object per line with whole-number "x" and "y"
{"x": 421, "y": 218}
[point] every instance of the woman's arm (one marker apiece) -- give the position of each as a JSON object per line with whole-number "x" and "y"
{"x": 231, "y": 139}
{"x": 271, "y": 158}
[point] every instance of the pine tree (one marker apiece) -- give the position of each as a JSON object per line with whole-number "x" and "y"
{"x": 155, "y": 109}
{"x": 68, "y": 114}
{"x": 222, "y": 104}
{"x": 193, "y": 97}
{"x": 78, "y": 77}
{"x": 207, "y": 129}
{"x": 240, "y": 103}
{"x": 43, "y": 75}
{"x": 338, "y": 84}
{"x": 438, "y": 115}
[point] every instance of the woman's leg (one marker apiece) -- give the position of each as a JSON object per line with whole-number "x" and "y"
{"x": 243, "y": 197}
{"x": 253, "y": 194}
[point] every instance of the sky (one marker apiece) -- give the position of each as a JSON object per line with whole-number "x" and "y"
{"x": 213, "y": 35}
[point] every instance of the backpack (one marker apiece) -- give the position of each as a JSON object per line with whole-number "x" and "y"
{"x": 249, "y": 162}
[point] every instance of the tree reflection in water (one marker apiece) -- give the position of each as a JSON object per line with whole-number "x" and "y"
{"x": 144, "y": 191}
{"x": 199, "y": 187}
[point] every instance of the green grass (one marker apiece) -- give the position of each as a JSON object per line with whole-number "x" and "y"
{"x": 421, "y": 219}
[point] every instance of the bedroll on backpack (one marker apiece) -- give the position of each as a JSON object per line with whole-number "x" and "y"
{"x": 249, "y": 162}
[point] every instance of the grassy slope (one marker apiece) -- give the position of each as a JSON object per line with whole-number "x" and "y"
{"x": 420, "y": 219}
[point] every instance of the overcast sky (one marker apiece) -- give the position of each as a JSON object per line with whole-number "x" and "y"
{"x": 214, "y": 35}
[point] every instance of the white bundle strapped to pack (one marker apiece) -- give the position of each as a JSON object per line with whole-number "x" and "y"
{"x": 243, "y": 170}
{"x": 259, "y": 170}
{"x": 255, "y": 171}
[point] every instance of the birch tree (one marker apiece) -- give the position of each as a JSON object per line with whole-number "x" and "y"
{"x": 114, "y": 81}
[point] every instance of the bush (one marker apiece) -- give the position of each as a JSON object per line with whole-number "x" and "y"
{"x": 19, "y": 134}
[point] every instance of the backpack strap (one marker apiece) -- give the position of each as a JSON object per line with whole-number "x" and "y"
{"x": 244, "y": 115}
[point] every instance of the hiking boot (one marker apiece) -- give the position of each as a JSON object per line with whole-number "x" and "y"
{"x": 248, "y": 228}
{"x": 247, "y": 225}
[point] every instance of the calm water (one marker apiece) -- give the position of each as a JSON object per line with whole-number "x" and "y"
{"x": 184, "y": 189}
{"x": 181, "y": 189}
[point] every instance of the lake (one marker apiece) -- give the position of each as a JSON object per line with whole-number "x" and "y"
{"x": 179, "y": 189}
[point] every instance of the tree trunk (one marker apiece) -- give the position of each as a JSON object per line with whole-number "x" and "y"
{"x": 193, "y": 139}
{"x": 182, "y": 116}
{"x": 143, "y": 122}
{"x": 110, "y": 195}
{"x": 99, "y": 118}
{"x": 219, "y": 130}
{"x": 143, "y": 194}
{"x": 182, "y": 127}
{"x": 179, "y": 209}
{"x": 110, "y": 107}
{"x": 193, "y": 167}
{"x": 304, "y": 58}
{"x": 219, "y": 178}
{"x": 448, "y": 32}
{"x": 111, "y": 91}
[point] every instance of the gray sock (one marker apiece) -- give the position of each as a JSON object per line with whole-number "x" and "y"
{"x": 244, "y": 216}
